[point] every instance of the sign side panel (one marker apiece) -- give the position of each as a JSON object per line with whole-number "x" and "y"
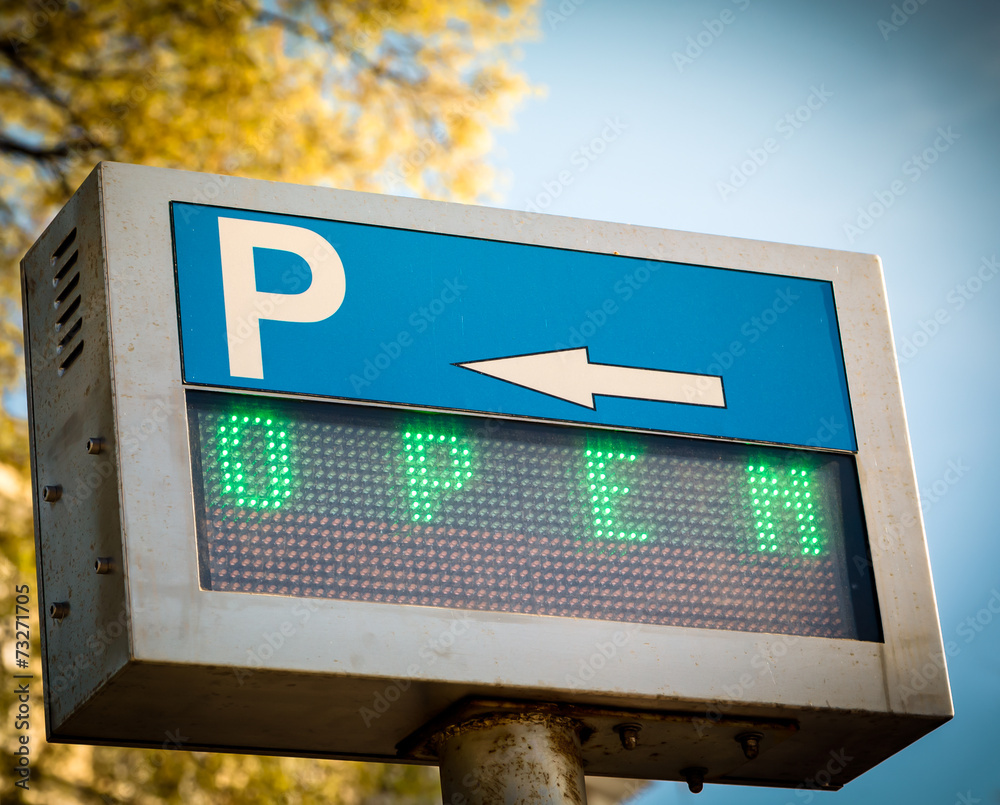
{"x": 915, "y": 669}
{"x": 70, "y": 399}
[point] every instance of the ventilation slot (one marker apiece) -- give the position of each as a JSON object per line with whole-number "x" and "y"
{"x": 70, "y": 359}
{"x": 74, "y": 331}
{"x": 62, "y": 272}
{"x": 64, "y": 246}
{"x": 64, "y": 294}
{"x": 68, "y": 314}
{"x": 67, "y": 302}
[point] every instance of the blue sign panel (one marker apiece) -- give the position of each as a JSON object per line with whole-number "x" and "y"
{"x": 352, "y": 311}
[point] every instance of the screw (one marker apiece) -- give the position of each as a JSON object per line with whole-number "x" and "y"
{"x": 59, "y": 610}
{"x": 104, "y": 564}
{"x": 95, "y": 445}
{"x": 50, "y": 494}
{"x": 750, "y": 741}
{"x": 695, "y": 776}
{"x": 629, "y": 734}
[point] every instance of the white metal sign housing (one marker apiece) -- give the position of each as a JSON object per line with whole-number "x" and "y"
{"x": 307, "y": 458}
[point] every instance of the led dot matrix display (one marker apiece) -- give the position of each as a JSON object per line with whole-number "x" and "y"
{"x": 354, "y": 503}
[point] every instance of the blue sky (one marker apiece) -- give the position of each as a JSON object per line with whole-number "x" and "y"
{"x": 880, "y": 90}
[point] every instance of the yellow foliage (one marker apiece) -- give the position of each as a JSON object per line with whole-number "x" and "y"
{"x": 398, "y": 96}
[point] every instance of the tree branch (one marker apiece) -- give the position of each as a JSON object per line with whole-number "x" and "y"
{"x": 8, "y": 50}
{"x": 11, "y": 146}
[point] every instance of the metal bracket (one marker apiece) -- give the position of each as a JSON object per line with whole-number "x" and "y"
{"x": 665, "y": 745}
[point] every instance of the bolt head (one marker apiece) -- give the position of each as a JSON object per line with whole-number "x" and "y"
{"x": 630, "y": 738}
{"x": 695, "y": 777}
{"x": 750, "y": 743}
{"x": 59, "y": 610}
{"x": 629, "y": 734}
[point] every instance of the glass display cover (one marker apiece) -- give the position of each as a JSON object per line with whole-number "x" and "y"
{"x": 328, "y": 500}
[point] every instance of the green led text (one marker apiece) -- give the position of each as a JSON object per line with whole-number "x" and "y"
{"x": 785, "y": 516}
{"x": 607, "y": 487}
{"x": 254, "y": 459}
{"x": 437, "y": 465}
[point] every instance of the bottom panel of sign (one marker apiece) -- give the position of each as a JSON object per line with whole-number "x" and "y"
{"x": 327, "y": 500}
{"x": 273, "y": 712}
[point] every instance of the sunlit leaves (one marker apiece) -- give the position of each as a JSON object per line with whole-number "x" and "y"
{"x": 397, "y": 96}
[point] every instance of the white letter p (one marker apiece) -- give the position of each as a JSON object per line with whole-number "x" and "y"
{"x": 245, "y": 305}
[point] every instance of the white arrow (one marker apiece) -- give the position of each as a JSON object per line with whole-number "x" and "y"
{"x": 569, "y": 375}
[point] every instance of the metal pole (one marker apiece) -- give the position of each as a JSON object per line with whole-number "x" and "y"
{"x": 511, "y": 759}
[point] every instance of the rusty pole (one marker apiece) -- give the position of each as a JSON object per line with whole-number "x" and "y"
{"x": 511, "y": 759}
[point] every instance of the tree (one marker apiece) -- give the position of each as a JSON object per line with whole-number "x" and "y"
{"x": 398, "y": 96}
